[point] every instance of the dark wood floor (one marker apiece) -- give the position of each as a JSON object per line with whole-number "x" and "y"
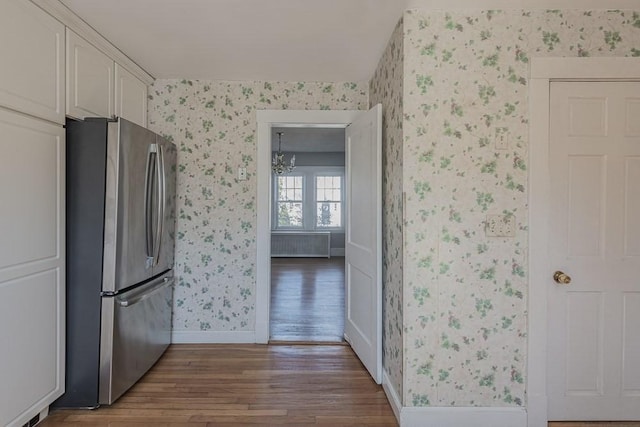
{"x": 237, "y": 385}
{"x": 307, "y": 299}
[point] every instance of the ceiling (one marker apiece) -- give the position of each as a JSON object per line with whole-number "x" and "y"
{"x": 273, "y": 40}
{"x": 276, "y": 40}
{"x": 308, "y": 139}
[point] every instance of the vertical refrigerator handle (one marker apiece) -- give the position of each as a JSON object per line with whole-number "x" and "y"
{"x": 160, "y": 186}
{"x": 148, "y": 201}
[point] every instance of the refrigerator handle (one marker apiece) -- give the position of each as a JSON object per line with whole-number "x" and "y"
{"x": 148, "y": 200}
{"x": 160, "y": 206}
{"x": 138, "y": 297}
{"x": 164, "y": 200}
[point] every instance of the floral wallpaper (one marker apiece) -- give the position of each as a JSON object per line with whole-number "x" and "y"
{"x": 386, "y": 88}
{"x": 465, "y": 156}
{"x": 213, "y": 124}
{"x": 454, "y": 91}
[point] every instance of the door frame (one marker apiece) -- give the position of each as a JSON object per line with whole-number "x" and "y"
{"x": 542, "y": 72}
{"x": 266, "y": 120}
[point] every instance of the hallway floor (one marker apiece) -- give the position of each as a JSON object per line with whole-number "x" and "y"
{"x": 307, "y": 299}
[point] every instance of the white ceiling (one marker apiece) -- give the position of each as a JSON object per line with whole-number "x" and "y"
{"x": 308, "y": 139}
{"x": 277, "y": 40}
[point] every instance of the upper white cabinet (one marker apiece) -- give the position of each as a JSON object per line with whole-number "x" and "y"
{"x": 90, "y": 79}
{"x": 131, "y": 97}
{"x": 99, "y": 87}
{"x": 32, "y": 54}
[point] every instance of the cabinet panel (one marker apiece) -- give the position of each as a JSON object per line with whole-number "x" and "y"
{"x": 31, "y": 173}
{"x": 31, "y": 363}
{"x": 89, "y": 79}
{"x": 32, "y": 52}
{"x": 131, "y": 97}
{"x": 32, "y": 265}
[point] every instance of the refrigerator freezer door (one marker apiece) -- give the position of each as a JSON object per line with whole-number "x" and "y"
{"x": 131, "y": 163}
{"x": 136, "y": 330}
{"x": 164, "y": 261}
{"x": 86, "y": 157}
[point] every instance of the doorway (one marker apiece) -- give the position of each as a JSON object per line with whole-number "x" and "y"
{"x": 594, "y": 245}
{"x": 544, "y": 236}
{"x": 307, "y": 235}
{"x": 363, "y": 223}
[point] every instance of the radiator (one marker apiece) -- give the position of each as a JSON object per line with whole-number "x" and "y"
{"x": 300, "y": 244}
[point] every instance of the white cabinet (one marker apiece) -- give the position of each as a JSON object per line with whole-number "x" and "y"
{"x": 90, "y": 79}
{"x": 99, "y": 87}
{"x": 32, "y": 55}
{"x": 32, "y": 266}
{"x": 32, "y": 254}
{"x": 38, "y": 71}
{"x": 131, "y": 97}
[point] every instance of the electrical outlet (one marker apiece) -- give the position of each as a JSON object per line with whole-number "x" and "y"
{"x": 500, "y": 226}
{"x": 242, "y": 174}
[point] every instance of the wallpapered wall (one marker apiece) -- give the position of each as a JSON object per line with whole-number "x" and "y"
{"x": 452, "y": 83}
{"x": 213, "y": 123}
{"x": 386, "y": 88}
{"x": 465, "y": 295}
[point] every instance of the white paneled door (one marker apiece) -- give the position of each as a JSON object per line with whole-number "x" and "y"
{"x": 363, "y": 242}
{"x": 593, "y": 365}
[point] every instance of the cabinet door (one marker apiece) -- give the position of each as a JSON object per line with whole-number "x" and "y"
{"x": 32, "y": 52}
{"x": 32, "y": 269}
{"x": 131, "y": 97}
{"x": 89, "y": 79}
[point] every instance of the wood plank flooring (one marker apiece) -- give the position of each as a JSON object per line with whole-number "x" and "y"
{"x": 219, "y": 385}
{"x": 256, "y": 385}
{"x": 595, "y": 424}
{"x": 307, "y": 299}
{"x": 236, "y": 385}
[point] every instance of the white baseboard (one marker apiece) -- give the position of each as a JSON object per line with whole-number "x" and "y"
{"x": 463, "y": 417}
{"x": 337, "y": 251}
{"x": 213, "y": 337}
{"x": 392, "y": 395}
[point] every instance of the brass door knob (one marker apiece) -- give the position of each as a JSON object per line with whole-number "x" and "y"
{"x": 561, "y": 278}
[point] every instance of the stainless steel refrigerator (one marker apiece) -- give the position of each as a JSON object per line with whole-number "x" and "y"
{"x": 121, "y": 181}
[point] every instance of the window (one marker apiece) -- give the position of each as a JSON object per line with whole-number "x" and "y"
{"x": 310, "y": 199}
{"x": 289, "y": 201}
{"x": 329, "y": 201}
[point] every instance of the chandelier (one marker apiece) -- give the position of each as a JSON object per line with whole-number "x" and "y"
{"x": 278, "y": 165}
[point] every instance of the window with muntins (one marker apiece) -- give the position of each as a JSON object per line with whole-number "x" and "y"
{"x": 329, "y": 201}
{"x": 290, "y": 199}
{"x": 311, "y": 198}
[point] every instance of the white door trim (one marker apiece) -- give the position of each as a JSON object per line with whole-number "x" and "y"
{"x": 266, "y": 120}
{"x": 542, "y": 72}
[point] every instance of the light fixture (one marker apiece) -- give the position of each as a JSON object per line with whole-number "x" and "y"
{"x": 278, "y": 165}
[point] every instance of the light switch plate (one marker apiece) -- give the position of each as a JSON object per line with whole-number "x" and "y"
{"x": 502, "y": 140}
{"x": 242, "y": 174}
{"x": 500, "y": 226}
